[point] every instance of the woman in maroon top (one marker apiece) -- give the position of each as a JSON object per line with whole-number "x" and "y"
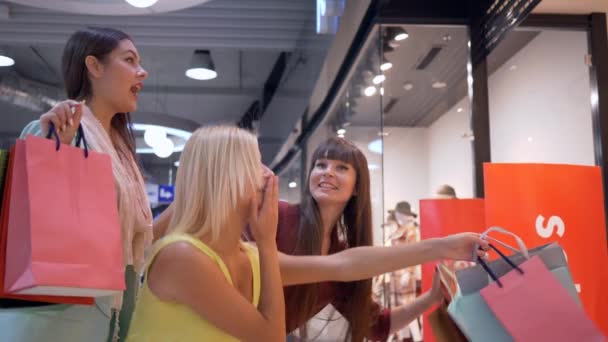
{"x": 327, "y": 253}
{"x": 334, "y": 222}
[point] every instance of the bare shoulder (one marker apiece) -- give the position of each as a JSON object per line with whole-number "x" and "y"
{"x": 171, "y": 271}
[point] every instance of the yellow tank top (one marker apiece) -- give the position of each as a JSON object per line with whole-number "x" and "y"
{"x": 157, "y": 320}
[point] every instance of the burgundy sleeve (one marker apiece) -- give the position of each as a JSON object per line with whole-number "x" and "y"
{"x": 287, "y": 230}
{"x": 381, "y": 320}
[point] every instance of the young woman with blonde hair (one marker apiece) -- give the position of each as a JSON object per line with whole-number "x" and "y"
{"x": 202, "y": 282}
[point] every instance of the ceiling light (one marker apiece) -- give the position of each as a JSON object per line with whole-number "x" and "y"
{"x": 6, "y": 61}
{"x": 341, "y": 131}
{"x": 401, "y": 36}
{"x": 292, "y": 185}
{"x": 447, "y": 38}
{"x": 388, "y": 47}
{"x": 201, "y": 66}
{"x": 164, "y": 148}
{"x": 439, "y": 85}
{"x": 375, "y": 146}
{"x": 459, "y": 110}
{"x": 382, "y": 91}
{"x": 378, "y": 79}
{"x": 408, "y": 86}
{"x": 385, "y": 64}
{"x": 154, "y": 135}
{"x": 397, "y": 33}
{"x": 141, "y": 3}
{"x": 370, "y": 91}
{"x": 513, "y": 67}
{"x": 176, "y": 164}
{"x": 179, "y": 133}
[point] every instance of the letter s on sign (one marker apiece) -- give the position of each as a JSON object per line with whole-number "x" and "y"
{"x": 547, "y": 231}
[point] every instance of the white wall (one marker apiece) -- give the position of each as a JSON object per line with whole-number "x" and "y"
{"x": 541, "y": 112}
{"x": 451, "y": 154}
{"x": 406, "y": 166}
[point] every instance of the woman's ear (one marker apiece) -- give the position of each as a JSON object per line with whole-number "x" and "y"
{"x": 94, "y": 66}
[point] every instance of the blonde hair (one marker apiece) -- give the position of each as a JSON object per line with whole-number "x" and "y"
{"x": 218, "y": 167}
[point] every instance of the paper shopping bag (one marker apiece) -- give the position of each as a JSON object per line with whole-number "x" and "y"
{"x": 469, "y": 310}
{"x": 532, "y": 305}
{"x": 63, "y": 231}
{"x": 13, "y": 300}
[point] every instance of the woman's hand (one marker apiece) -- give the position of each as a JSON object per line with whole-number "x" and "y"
{"x": 264, "y": 218}
{"x": 460, "y": 246}
{"x": 436, "y": 292}
{"x": 66, "y": 117}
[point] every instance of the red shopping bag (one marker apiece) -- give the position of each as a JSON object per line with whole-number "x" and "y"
{"x": 441, "y": 217}
{"x": 544, "y": 203}
{"x": 63, "y": 235}
{"x": 532, "y": 305}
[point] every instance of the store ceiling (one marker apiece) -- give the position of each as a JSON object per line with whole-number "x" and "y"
{"x": 412, "y": 95}
{"x": 245, "y": 39}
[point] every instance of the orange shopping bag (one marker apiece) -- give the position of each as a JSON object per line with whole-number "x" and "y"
{"x": 64, "y": 233}
{"x": 11, "y": 299}
{"x": 441, "y": 217}
{"x": 545, "y": 203}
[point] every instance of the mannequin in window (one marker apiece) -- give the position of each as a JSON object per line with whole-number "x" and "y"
{"x": 404, "y": 285}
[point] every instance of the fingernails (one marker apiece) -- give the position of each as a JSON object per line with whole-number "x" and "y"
{"x": 71, "y": 122}
{"x": 63, "y": 128}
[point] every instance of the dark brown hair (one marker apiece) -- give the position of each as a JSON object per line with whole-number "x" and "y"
{"x": 355, "y": 229}
{"x": 98, "y": 42}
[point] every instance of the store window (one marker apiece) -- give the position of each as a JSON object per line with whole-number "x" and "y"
{"x": 540, "y": 98}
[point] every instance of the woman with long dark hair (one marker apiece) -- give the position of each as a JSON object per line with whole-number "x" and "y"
{"x": 102, "y": 76}
{"x": 334, "y": 221}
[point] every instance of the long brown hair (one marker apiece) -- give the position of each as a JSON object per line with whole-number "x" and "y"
{"x": 353, "y": 230}
{"x": 98, "y": 42}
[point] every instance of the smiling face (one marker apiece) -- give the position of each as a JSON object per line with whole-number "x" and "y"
{"x": 332, "y": 181}
{"x": 118, "y": 78}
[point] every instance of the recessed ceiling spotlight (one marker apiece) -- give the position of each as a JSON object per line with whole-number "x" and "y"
{"x": 341, "y": 131}
{"x": 447, "y": 38}
{"x": 439, "y": 85}
{"x": 385, "y": 64}
{"x": 400, "y": 34}
{"x": 5, "y": 60}
{"x": 459, "y": 110}
{"x": 141, "y": 3}
{"x": 378, "y": 79}
{"x": 370, "y": 91}
{"x": 408, "y": 86}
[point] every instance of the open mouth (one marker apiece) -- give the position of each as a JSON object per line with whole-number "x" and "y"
{"x": 136, "y": 88}
{"x": 327, "y": 186}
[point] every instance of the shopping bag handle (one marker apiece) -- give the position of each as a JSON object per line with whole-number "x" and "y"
{"x": 79, "y": 138}
{"x": 443, "y": 273}
{"x": 505, "y": 258}
{"x": 520, "y": 243}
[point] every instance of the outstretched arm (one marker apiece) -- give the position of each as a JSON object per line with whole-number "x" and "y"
{"x": 368, "y": 261}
